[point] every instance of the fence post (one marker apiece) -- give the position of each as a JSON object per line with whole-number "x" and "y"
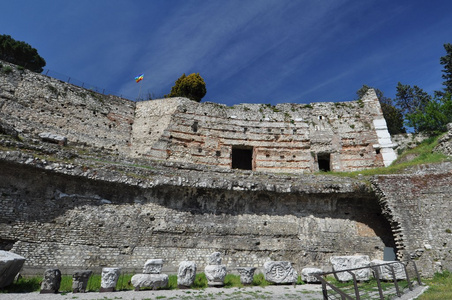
{"x": 377, "y": 277}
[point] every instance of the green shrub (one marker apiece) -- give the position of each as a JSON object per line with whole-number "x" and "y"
{"x": 200, "y": 281}
{"x": 232, "y": 281}
{"x": 7, "y": 69}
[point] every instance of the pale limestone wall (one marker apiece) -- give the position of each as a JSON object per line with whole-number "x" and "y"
{"x": 106, "y": 219}
{"x": 33, "y": 103}
{"x": 284, "y": 138}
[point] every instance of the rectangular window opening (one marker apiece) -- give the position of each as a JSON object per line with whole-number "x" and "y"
{"x": 324, "y": 160}
{"x": 242, "y": 158}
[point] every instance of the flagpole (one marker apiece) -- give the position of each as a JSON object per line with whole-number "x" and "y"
{"x": 139, "y": 92}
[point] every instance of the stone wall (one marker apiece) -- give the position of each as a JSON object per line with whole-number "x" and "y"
{"x": 56, "y": 214}
{"x": 346, "y": 136}
{"x": 33, "y": 103}
{"x": 418, "y": 207}
{"x": 295, "y": 138}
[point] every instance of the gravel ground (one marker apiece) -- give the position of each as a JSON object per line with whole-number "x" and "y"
{"x": 307, "y": 291}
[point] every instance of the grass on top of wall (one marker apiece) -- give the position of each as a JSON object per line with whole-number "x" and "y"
{"x": 423, "y": 154}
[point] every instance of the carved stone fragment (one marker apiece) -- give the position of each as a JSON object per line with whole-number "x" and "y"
{"x": 307, "y": 275}
{"x": 153, "y": 266}
{"x": 280, "y": 272}
{"x": 51, "y": 282}
{"x": 246, "y": 274}
{"x": 215, "y": 258}
{"x": 186, "y": 274}
{"x": 153, "y": 281}
{"x": 340, "y": 263}
{"x": 215, "y": 275}
{"x": 385, "y": 273}
{"x": 109, "y": 279}
{"x": 80, "y": 281}
{"x": 10, "y": 265}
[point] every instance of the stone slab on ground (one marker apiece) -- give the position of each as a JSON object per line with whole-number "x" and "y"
{"x": 10, "y": 265}
{"x": 340, "y": 263}
{"x": 384, "y": 271}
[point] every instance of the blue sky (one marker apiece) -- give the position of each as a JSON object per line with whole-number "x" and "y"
{"x": 247, "y": 51}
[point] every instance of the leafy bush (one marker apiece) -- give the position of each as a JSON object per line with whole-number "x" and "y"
{"x": 192, "y": 87}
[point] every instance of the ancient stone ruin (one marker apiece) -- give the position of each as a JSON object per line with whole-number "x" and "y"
{"x": 151, "y": 277}
{"x": 90, "y": 180}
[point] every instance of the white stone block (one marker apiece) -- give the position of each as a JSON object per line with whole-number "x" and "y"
{"x": 280, "y": 272}
{"x": 385, "y": 272}
{"x": 340, "y": 263}
{"x": 307, "y": 275}
{"x": 10, "y": 265}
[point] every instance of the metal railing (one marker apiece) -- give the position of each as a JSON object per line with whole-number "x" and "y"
{"x": 345, "y": 294}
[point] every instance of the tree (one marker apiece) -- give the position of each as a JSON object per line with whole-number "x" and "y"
{"x": 192, "y": 87}
{"x": 20, "y": 53}
{"x": 392, "y": 115}
{"x": 411, "y": 99}
{"x": 446, "y": 60}
{"x": 434, "y": 117}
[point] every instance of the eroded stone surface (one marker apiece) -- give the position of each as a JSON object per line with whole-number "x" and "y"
{"x": 215, "y": 258}
{"x": 215, "y": 274}
{"x": 109, "y": 279}
{"x": 51, "y": 281}
{"x": 80, "y": 280}
{"x": 153, "y": 266}
{"x": 186, "y": 274}
{"x": 280, "y": 272}
{"x": 340, "y": 263}
{"x": 10, "y": 265}
{"x": 385, "y": 272}
{"x": 246, "y": 274}
{"x": 149, "y": 280}
{"x": 307, "y": 275}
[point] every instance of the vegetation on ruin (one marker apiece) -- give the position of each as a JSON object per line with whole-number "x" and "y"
{"x": 440, "y": 287}
{"x": 33, "y": 283}
{"x": 421, "y": 154}
{"x": 192, "y": 87}
{"x": 20, "y": 53}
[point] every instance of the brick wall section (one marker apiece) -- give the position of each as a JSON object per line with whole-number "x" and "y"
{"x": 33, "y": 103}
{"x": 418, "y": 208}
{"x": 283, "y": 138}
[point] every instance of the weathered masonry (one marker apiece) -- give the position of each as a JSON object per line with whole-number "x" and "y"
{"x": 295, "y": 138}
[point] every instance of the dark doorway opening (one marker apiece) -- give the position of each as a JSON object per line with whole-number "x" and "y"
{"x": 324, "y": 162}
{"x": 242, "y": 158}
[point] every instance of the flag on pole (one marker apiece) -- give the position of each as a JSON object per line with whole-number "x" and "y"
{"x": 139, "y": 78}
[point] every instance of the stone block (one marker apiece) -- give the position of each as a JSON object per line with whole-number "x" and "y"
{"x": 385, "y": 272}
{"x": 153, "y": 281}
{"x": 153, "y": 266}
{"x": 186, "y": 274}
{"x": 215, "y": 275}
{"x": 340, "y": 263}
{"x": 51, "y": 282}
{"x": 53, "y": 138}
{"x": 109, "y": 279}
{"x": 80, "y": 280}
{"x": 280, "y": 272}
{"x": 214, "y": 258}
{"x": 10, "y": 265}
{"x": 307, "y": 275}
{"x": 246, "y": 274}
